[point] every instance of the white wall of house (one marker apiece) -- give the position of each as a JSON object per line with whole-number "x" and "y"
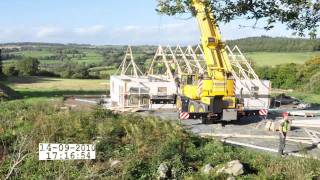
{"x": 124, "y": 87}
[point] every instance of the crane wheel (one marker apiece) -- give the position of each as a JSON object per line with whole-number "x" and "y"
{"x": 192, "y": 107}
{"x": 201, "y": 109}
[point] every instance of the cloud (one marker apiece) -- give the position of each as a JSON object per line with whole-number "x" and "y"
{"x": 48, "y": 32}
{"x": 131, "y": 28}
{"x": 181, "y": 32}
{"x": 174, "y": 33}
{"x": 93, "y": 30}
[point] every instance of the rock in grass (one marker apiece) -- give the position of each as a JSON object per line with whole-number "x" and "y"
{"x": 163, "y": 171}
{"x": 114, "y": 163}
{"x": 207, "y": 168}
{"x": 234, "y": 168}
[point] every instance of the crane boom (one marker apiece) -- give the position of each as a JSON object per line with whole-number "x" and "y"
{"x": 216, "y": 57}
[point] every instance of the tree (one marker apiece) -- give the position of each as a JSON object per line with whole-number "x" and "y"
{"x": 302, "y": 16}
{"x": 28, "y": 66}
{"x": 275, "y": 44}
{"x": 314, "y": 86}
{"x": 310, "y": 68}
{"x": 10, "y": 71}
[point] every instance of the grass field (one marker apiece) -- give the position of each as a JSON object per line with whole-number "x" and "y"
{"x": 309, "y": 98}
{"x": 54, "y": 87}
{"x": 44, "y": 83}
{"x": 35, "y": 54}
{"x": 92, "y": 57}
{"x": 260, "y": 58}
{"x": 275, "y": 58}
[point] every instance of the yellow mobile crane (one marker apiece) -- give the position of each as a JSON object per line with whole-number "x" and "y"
{"x": 209, "y": 96}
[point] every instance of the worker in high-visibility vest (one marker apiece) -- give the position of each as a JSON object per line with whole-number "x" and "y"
{"x": 283, "y": 130}
{"x": 173, "y": 68}
{"x": 160, "y": 68}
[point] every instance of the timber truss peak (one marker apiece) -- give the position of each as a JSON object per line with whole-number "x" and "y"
{"x": 196, "y": 59}
{"x": 183, "y": 61}
{"x": 241, "y": 68}
{"x": 241, "y": 65}
{"x": 187, "y": 60}
{"x": 128, "y": 65}
{"x": 164, "y": 57}
{"x": 241, "y": 59}
{"x": 191, "y": 60}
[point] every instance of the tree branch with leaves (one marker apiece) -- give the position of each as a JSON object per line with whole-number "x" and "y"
{"x": 301, "y": 16}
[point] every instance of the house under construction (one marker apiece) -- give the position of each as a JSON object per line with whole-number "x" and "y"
{"x": 133, "y": 89}
{"x": 156, "y": 88}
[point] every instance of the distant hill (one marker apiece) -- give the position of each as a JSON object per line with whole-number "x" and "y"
{"x": 276, "y": 44}
{"x": 250, "y": 44}
{"x": 31, "y": 44}
{"x": 42, "y": 44}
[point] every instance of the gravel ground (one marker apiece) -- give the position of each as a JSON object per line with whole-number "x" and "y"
{"x": 246, "y": 126}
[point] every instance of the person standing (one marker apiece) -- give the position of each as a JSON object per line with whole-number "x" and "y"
{"x": 160, "y": 67}
{"x": 173, "y": 68}
{"x": 283, "y": 130}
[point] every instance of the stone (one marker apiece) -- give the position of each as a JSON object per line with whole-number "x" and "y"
{"x": 207, "y": 168}
{"x": 114, "y": 163}
{"x": 221, "y": 170}
{"x": 163, "y": 171}
{"x": 234, "y": 168}
{"x": 303, "y": 106}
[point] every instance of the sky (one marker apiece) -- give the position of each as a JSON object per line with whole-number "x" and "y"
{"x": 106, "y": 22}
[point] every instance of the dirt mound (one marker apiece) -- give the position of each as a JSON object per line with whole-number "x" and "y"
{"x": 8, "y": 93}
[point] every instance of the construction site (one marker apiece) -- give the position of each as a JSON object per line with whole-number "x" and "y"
{"x": 154, "y": 93}
{"x": 213, "y": 90}
{"x": 205, "y": 109}
{"x": 209, "y": 84}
